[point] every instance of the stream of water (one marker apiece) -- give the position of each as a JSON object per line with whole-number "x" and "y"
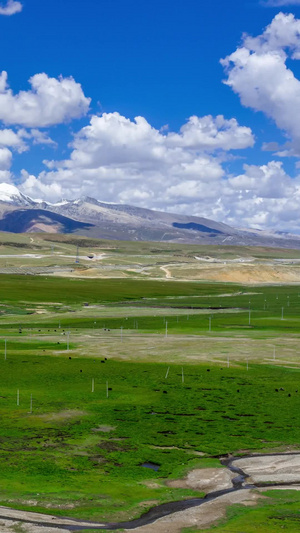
{"x": 239, "y": 482}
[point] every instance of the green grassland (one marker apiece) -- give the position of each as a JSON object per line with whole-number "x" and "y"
{"x": 80, "y": 452}
{"x": 103, "y": 407}
{"x": 187, "y": 306}
{"x": 85, "y": 448}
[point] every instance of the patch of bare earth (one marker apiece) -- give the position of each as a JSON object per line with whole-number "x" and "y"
{"x": 104, "y": 429}
{"x": 151, "y": 484}
{"x": 254, "y": 274}
{"x": 236, "y": 273}
{"x": 271, "y": 469}
{"x": 167, "y": 272}
{"x": 192, "y": 452}
{"x": 205, "y": 479}
{"x": 200, "y": 517}
{"x": 62, "y": 415}
{"x": 11, "y": 526}
{"x": 28, "y": 522}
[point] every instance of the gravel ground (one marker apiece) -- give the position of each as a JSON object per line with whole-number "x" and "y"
{"x": 205, "y": 479}
{"x": 274, "y": 469}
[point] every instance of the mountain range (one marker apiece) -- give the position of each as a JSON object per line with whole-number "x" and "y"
{"x": 89, "y": 217}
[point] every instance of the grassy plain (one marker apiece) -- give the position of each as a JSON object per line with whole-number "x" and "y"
{"x": 130, "y": 371}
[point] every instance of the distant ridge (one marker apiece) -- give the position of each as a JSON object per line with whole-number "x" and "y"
{"x": 92, "y": 218}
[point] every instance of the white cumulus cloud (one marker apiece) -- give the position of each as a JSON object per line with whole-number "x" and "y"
{"x": 117, "y": 159}
{"x": 258, "y": 73}
{"x": 40, "y": 137}
{"x": 112, "y": 139}
{"x": 210, "y": 133}
{"x": 21, "y": 139}
{"x": 14, "y": 139}
{"x": 264, "y": 197}
{"x": 5, "y": 159}
{"x": 10, "y": 8}
{"x": 50, "y": 101}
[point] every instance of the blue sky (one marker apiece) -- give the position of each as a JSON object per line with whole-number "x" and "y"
{"x": 78, "y": 73}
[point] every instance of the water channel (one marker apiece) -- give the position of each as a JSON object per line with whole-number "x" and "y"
{"x": 239, "y": 482}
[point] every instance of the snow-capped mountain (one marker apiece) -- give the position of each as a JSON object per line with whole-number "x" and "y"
{"x": 11, "y": 194}
{"x": 89, "y": 217}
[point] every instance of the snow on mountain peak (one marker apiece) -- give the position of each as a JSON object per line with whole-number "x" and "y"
{"x": 11, "y": 194}
{"x": 8, "y": 192}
